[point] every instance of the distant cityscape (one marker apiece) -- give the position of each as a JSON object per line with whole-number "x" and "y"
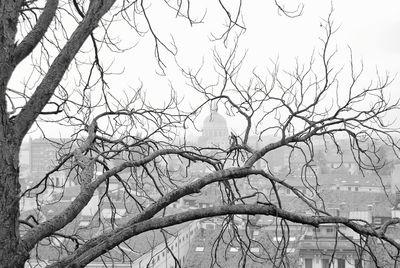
{"x": 343, "y": 190}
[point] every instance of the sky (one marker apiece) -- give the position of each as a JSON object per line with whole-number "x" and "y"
{"x": 369, "y": 27}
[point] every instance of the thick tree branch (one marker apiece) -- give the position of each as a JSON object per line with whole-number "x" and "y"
{"x": 9, "y": 11}
{"x": 36, "y": 34}
{"x": 111, "y": 239}
{"x": 137, "y": 163}
{"x": 46, "y": 88}
{"x": 56, "y": 223}
{"x": 163, "y": 202}
{"x": 143, "y": 137}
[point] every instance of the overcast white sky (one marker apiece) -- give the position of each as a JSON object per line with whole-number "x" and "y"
{"x": 370, "y": 28}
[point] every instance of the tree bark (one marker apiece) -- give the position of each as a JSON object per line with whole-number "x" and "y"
{"x": 11, "y": 254}
{"x": 14, "y": 251}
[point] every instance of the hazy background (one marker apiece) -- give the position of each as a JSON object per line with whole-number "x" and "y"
{"x": 370, "y": 28}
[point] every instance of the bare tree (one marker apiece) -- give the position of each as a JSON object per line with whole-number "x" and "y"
{"x": 131, "y": 143}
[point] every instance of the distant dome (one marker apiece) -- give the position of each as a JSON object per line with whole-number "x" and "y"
{"x": 215, "y": 130}
{"x": 214, "y": 121}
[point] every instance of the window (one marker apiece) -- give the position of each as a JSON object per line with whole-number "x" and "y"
{"x": 256, "y": 232}
{"x": 341, "y": 263}
{"x": 277, "y": 238}
{"x": 199, "y": 249}
{"x": 84, "y": 223}
{"x": 325, "y": 263}
{"x": 356, "y": 188}
{"x": 358, "y": 263}
{"x": 349, "y": 188}
{"x": 254, "y": 250}
{"x": 308, "y": 263}
{"x": 233, "y": 249}
{"x": 290, "y": 250}
{"x": 158, "y": 258}
{"x": 329, "y": 230}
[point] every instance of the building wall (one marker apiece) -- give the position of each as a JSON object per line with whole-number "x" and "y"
{"x": 316, "y": 248}
{"x": 358, "y": 188}
{"x": 160, "y": 256}
{"x": 395, "y": 185}
{"x": 322, "y": 262}
{"x": 24, "y": 158}
{"x": 42, "y": 157}
{"x": 395, "y": 213}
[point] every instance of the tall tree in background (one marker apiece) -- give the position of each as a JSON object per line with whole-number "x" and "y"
{"x": 106, "y": 142}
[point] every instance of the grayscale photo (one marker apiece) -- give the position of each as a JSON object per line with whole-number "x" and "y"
{"x": 199, "y": 134}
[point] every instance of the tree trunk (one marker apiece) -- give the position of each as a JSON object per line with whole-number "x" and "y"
{"x": 11, "y": 254}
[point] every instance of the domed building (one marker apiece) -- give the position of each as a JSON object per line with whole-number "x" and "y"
{"x": 215, "y": 131}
